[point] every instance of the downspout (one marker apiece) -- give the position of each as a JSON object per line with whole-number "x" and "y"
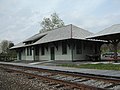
{"x": 71, "y": 45}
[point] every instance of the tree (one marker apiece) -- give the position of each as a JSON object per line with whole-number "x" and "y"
{"x": 11, "y": 44}
{"x": 7, "y": 54}
{"x": 51, "y": 23}
{"x": 4, "y": 46}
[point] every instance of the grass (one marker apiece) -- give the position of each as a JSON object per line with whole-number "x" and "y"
{"x": 94, "y": 66}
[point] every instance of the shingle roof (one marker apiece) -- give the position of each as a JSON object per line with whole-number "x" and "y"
{"x": 79, "y": 33}
{"x": 35, "y": 37}
{"x": 57, "y": 34}
{"x": 66, "y": 32}
{"x": 19, "y": 45}
{"x": 113, "y": 30}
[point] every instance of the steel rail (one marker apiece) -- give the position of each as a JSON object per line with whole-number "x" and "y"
{"x": 74, "y": 74}
{"x": 67, "y": 83}
{"x": 115, "y": 81}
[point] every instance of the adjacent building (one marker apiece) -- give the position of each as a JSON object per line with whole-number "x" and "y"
{"x": 65, "y": 43}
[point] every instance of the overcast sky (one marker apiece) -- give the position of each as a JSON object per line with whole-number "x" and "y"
{"x": 19, "y": 19}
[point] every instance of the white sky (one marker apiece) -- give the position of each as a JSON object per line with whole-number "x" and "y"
{"x": 19, "y": 19}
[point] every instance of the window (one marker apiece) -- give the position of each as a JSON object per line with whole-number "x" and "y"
{"x": 29, "y": 51}
{"x": 37, "y": 50}
{"x": 28, "y": 43}
{"x": 78, "y": 47}
{"x": 42, "y": 51}
{"x": 64, "y": 47}
{"x": 23, "y": 50}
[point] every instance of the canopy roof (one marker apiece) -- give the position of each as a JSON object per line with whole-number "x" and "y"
{"x": 110, "y": 33}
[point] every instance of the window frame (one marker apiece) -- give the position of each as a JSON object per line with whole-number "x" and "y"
{"x": 64, "y": 47}
{"x": 29, "y": 51}
{"x": 42, "y": 50}
{"x": 79, "y": 47}
{"x": 37, "y": 51}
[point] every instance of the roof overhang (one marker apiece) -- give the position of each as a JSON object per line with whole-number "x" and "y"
{"x": 106, "y": 37}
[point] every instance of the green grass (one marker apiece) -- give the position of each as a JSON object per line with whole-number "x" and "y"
{"x": 94, "y": 66}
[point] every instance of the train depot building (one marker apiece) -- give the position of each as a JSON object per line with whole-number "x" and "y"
{"x": 65, "y": 43}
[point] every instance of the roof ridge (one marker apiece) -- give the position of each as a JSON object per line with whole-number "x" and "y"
{"x": 115, "y": 24}
{"x": 71, "y": 29}
{"x": 82, "y": 29}
{"x": 56, "y": 28}
{"x": 108, "y": 28}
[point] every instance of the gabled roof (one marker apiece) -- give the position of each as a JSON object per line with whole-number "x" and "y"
{"x": 66, "y": 32}
{"x": 112, "y": 32}
{"x": 35, "y": 37}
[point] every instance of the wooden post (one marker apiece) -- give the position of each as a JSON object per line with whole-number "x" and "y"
{"x": 100, "y": 44}
{"x": 115, "y": 51}
{"x": 115, "y": 44}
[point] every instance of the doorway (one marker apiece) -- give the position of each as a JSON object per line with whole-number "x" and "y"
{"x": 52, "y": 53}
{"x": 19, "y": 55}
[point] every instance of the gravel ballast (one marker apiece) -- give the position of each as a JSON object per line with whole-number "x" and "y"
{"x": 17, "y": 81}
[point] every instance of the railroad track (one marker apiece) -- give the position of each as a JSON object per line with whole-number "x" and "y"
{"x": 71, "y": 81}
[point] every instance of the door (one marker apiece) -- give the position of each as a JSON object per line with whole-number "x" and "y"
{"x": 19, "y": 55}
{"x": 52, "y": 53}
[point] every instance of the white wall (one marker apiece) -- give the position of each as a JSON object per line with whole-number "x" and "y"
{"x": 58, "y": 53}
{"x": 89, "y": 49}
{"x": 60, "y": 56}
{"x": 46, "y": 56}
{"x": 29, "y": 57}
{"x": 36, "y": 58}
{"x": 24, "y": 55}
{"x": 17, "y": 56}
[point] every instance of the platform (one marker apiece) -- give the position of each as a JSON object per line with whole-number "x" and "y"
{"x": 107, "y": 73}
